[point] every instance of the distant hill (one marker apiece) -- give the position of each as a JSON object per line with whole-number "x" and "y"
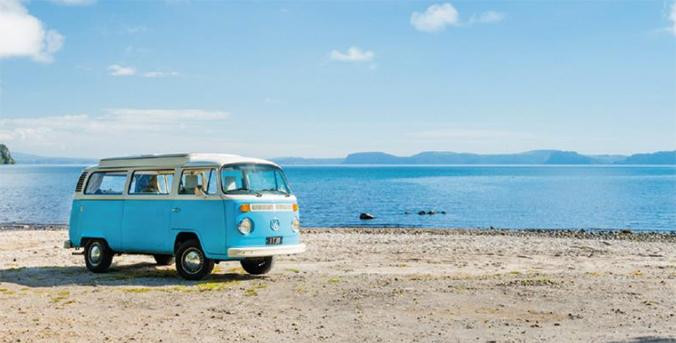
{"x": 528, "y": 157}
{"x": 23, "y": 158}
{"x": 5, "y": 156}
{"x": 660, "y": 157}
{"x": 551, "y": 157}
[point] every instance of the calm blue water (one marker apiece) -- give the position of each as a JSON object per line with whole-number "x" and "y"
{"x": 600, "y": 197}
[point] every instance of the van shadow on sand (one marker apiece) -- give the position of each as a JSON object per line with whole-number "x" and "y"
{"x": 139, "y": 274}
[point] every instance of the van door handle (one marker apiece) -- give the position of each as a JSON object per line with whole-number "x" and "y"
{"x": 175, "y": 210}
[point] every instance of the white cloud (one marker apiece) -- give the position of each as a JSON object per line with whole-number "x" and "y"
{"x": 158, "y": 74}
{"x": 672, "y": 18}
{"x": 118, "y": 70}
{"x": 435, "y": 18}
{"x": 121, "y": 130}
{"x": 24, "y": 35}
{"x": 353, "y": 54}
{"x": 488, "y": 17}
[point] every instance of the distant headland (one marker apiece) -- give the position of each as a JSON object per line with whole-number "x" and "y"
{"x": 5, "y": 155}
{"x": 551, "y": 157}
{"x": 534, "y": 157}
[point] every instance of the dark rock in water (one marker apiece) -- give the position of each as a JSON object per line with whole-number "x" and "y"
{"x": 443, "y": 212}
{"x": 625, "y": 231}
{"x": 422, "y": 213}
{"x": 366, "y": 216}
{"x": 431, "y": 212}
{"x": 407, "y": 212}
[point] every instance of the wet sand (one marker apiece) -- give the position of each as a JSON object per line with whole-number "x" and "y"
{"x": 372, "y": 285}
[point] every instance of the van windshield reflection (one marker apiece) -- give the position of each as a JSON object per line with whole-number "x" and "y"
{"x": 253, "y": 178}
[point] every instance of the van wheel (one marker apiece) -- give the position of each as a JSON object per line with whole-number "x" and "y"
{"x": 257, "y": 266}
{"x": 163, "y": 260}
{"x": 98, "y": 256}
{"x": 191, "y": 263}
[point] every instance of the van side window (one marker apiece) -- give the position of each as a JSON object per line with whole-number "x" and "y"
{"x": 106, "y": 183}
{"x": 151, "y": 182}
{"x": 198, "y": 182}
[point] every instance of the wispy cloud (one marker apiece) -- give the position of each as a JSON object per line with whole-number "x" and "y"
{"x": 438, "y": 17}
{"x": 24, "y": 35}
{"x": 145, "y": 128}
{"x": 353, "y": 54}
{"x": 158, "y": 74}
{"x": 118, "y": 70}
{"x": 435, "y": 18}
{"x": 487, "y": 17}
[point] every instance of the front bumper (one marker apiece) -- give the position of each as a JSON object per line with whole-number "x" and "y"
{"x": 266, "y": 251}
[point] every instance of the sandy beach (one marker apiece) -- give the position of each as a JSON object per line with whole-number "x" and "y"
{"x": 370, "y": 285}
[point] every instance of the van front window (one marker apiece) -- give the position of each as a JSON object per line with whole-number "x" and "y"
{"x": 253, "y": 179}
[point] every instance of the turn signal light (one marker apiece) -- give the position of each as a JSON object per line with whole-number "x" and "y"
{"x": 295, "y": 207}
{"x": 244, "y": 208}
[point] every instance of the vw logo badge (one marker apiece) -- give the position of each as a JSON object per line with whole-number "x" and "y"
{"x": 274, "y": 224}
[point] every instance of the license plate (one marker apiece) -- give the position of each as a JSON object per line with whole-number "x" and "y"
{"x": 273, "y": 240}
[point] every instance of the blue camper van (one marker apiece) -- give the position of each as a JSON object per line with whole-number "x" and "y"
{"x": 196, "y": 209}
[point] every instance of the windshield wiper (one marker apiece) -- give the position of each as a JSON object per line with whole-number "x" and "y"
{"x": 274, "y": 191}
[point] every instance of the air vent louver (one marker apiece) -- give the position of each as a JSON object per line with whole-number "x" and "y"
{"x": 80, "y": 182}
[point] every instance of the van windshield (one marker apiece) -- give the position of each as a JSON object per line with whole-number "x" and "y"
{"x": 253, "y": 179}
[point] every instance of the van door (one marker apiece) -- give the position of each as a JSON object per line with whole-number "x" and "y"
{"x": 101, "y": 207}
{"x": 145, "y": 226}
{"x": 198, "y": 208}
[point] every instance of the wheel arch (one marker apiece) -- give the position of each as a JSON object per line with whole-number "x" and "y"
{"x": 85, "y": 240}
{"x": 184, "y": 236}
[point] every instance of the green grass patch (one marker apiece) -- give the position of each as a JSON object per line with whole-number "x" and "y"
{"x": 6, "y": 291}
{"x": 60, "y": 296}
{"x": 137, "y": 290}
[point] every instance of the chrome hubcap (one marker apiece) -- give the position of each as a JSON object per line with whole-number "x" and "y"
{"x": 192, "y": 261}
{"x": 95, "y": 254}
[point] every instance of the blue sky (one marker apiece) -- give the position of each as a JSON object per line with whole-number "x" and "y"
{"x": 100, "y": 78}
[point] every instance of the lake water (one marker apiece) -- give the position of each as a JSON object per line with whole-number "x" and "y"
{"x": 587, "y": 197}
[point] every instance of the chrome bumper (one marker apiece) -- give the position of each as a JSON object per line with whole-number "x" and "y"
{"x": 266, "y": 251}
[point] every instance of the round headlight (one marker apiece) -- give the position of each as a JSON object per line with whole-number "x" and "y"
{"x": 295, "y": 224}
{"x": 245, "y": 226}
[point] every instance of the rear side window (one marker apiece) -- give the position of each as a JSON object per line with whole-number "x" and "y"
{"x": 106, "y": 183}
{"x": 151, "y": 182}
{"x": 198, "y": 182}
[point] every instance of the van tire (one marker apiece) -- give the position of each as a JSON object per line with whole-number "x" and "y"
{"x": 191, "y": 263}
{"x": 98, "y": 256}
{"x": 258, "y": 265}
{"x": 163, "y": 260}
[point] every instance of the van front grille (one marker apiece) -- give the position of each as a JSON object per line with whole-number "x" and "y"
{"x": 80, "y": 182}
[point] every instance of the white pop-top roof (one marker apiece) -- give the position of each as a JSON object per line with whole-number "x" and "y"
{"x": 178, "y": 160}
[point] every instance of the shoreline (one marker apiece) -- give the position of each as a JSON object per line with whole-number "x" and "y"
{"x": 612, "y": 234}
